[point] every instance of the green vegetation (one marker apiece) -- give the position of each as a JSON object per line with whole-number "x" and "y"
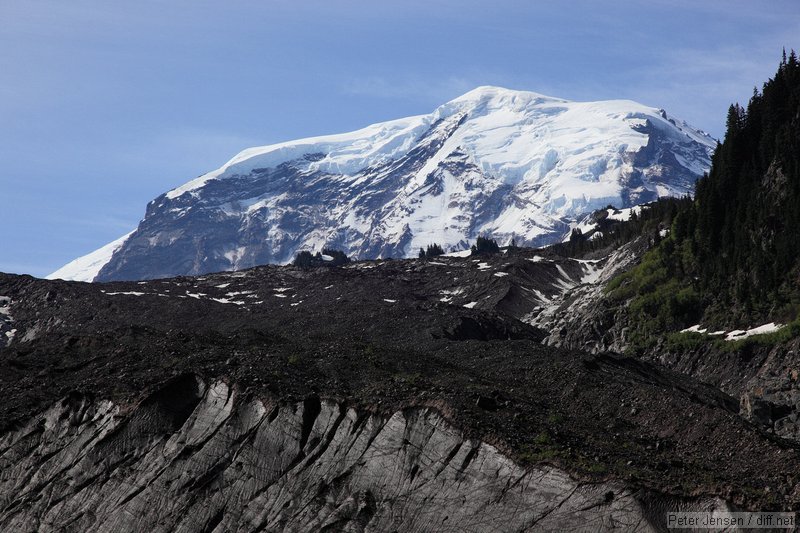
{"x": 542, "y": 449}
{"x": 542, "y": 439}
{"x": 732, "y": 256}
{"x": 595, "y": 468}
{"x": 409, "y": 378}
{"x": 743, "y": 226}
{"x": 662, "y": 297}
{"x": 688, "y": 341}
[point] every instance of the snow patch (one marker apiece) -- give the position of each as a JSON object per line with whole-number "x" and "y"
{"x": 624, "y": 214}
{"x": 87, "y": 267}
{"x": 738, "y": 334}
{"x": 591, "y": 272}
{"x": 238, "y": 293}
{"x": 460, "y": 253}
{"x": 196, "y": 295}
{"x": 126, "y": 293}
{"x": 694, "y": 329}
{"x": 228, "y": 301}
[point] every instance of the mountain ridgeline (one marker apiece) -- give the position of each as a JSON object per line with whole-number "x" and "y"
{"x": 515, "y": 165}
{"x": 732, "y": 257}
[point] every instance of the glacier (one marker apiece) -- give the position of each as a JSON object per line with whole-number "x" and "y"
{"x": 499, "y": 162}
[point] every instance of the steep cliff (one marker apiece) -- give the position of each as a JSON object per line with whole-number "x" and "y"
{"x": 203, "y": 457}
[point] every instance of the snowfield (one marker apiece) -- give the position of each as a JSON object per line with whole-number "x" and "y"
{"x": 510, "y": 164}
{"x": 86, "y": 268}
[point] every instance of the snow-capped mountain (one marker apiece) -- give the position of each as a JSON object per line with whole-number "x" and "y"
{"x": 493, "y": 162}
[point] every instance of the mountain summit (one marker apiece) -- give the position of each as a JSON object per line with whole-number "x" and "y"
{"x": 511, "y": 164}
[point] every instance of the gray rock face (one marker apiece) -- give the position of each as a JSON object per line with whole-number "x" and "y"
{"x": 203, "y": 457}
{"x": 7, "y": 329}
{"x": 580, "y": 317}
{"x": 765, "y": 378}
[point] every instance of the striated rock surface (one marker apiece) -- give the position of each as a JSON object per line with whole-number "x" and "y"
{"x": 198, "y": 456}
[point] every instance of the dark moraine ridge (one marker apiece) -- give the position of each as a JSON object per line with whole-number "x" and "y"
{"x": 363, "y": 398}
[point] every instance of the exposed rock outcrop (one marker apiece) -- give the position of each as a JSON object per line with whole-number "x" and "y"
{"x": 203, "y": 457}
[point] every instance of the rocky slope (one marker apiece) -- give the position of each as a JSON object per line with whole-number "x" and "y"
{"x": 378, "y": 395}
{"x": 508, "y": 163}
{"x": 764, "y": 375}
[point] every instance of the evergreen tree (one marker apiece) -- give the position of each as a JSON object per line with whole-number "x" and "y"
{"x": 576, "y": 235}
{"x": 738, "y": 243}
{"x": 434, "y": 250}
{"x": 304, "y": 260}
{"x": 333, "y": 258}
{"x": 485, "y": 245}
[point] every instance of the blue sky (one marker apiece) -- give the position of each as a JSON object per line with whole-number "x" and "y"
{"x": 105, "y": 105}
